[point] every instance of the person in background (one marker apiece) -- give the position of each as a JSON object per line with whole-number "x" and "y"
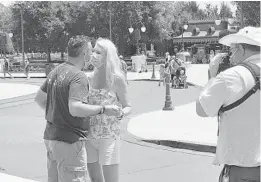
{"x": 238, "y": 145}
{"x": 144, "y": 66}
{"x": 6, "y": 68}
{"x": 27, "y": 68}
{"x": 167, "y": 57}
{"x": 175, "y": 50}
{"x": 173, "y": 68}
{"x": 211, "y": 55}
{"x": 124, "y": 67}
{"x": 162, "y": 74}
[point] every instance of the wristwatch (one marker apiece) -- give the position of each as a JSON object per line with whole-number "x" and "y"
{"x": 102, "y": 110}
{"x": 121, "y": 116}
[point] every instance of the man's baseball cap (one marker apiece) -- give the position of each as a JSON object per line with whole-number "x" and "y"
{"x": 247, "y": 35}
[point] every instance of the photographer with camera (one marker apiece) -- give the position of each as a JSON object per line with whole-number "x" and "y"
{"x": 234, "y": 96}
{"x": 218, "y": 63}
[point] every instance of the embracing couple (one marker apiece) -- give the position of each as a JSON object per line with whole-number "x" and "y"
{"x": 84, "y": 114}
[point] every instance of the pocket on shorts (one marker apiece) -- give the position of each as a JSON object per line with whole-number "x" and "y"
{"x": 75, "y": 168}
{"x": 75, "y": 173}
{"x": 249, "y": 180}
{"x": 80, "y": 147}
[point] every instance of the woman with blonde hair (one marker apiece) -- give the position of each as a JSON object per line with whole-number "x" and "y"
{"x": 107, "y": 87}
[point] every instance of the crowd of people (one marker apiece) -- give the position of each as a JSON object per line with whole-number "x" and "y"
{"x": 83, "y": 114}
{"x": 175, "y": 67}
{"x": 5, "y": 64}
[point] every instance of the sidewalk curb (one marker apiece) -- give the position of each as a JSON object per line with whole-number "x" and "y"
{"x": 184, "y": 145}
{"x": 195, "y": 85}
{"x": 162, "y": 145}
{"x": 178, "y": 144}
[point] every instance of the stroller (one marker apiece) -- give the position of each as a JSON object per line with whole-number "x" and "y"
{"x": 180, "y": 80}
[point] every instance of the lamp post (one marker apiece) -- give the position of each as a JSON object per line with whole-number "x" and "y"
{"x": 242, "y": 16}
{"x": 110, "y": 17}
{"x": 137, "y": 36}
{"x": 168, "y": 102}
{"x": 4, "y": 44}
{"x": 1, "y": 31}
{"x": 184, "y": 27}
{"x": 153, "y": 77}
{"x": 22, "y": 28}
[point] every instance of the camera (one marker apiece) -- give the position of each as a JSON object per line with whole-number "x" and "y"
{"x": 225, "y": 63}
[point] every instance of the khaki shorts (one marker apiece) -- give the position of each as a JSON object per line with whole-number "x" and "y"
{"x": 66, "y": 162}
{"x": 242, "y": 174}
{"x": 104, "y": 151}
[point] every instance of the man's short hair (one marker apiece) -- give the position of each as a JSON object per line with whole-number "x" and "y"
{"x": 76, "y": 45}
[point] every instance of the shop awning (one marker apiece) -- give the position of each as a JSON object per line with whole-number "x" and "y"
{"x": 200, "y": 38}
{"x": 185, "y": 35}
{"x": 216, "y": 33}
{"x": 202, "y": 34}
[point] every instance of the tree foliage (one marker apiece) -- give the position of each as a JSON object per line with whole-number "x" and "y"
{"x": 5, "y": 18}
{"x": 250, "y": 11}
{"x": 49, "y": 24}
{"x": 225, "y": 10}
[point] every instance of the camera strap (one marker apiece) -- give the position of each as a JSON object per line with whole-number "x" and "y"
{"x": 255, "y": 71}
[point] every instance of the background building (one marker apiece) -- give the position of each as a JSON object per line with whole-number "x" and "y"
{"x": 203, "y": 36}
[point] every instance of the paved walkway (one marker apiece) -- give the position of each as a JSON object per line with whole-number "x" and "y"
{"x": 8, "y": 178}
{"x": 12, "y": 90}
{"x": 182, "y": 125}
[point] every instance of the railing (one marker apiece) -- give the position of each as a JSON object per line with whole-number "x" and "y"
{"x": 40, "y": 66}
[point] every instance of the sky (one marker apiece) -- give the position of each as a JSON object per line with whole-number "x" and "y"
{"x": 202, "y": 4}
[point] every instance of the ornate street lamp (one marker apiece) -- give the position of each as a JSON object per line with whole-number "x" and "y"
{"x": 110, "y": 17}
{"x": 137, "y": 35}
{"x": 143, "y": 28}
{"x": 153, "y": 77}
{"x": 184, "y": 27}
{"x": 22, "y": 28}
{"x": 168, "y": 102}
{"x": 10, "y": 35}
{"x": 217, "y": 22}
{"x": 131, "y": 29}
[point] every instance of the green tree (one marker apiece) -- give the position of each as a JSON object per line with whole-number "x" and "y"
{"x": 250, "y": 11}
{"x": 5, "y": 18}
{"x": 212, "y": 12}
{"x": 225, "y": 10}
{"x": 44, "y": 24}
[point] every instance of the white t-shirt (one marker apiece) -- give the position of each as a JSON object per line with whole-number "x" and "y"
{"x": 239, "y": 137}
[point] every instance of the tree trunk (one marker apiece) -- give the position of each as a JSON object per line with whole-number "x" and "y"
{"x": 121, "y": 43}
{"x": 62, "y": 54}
{"x": 48, "y": 54}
